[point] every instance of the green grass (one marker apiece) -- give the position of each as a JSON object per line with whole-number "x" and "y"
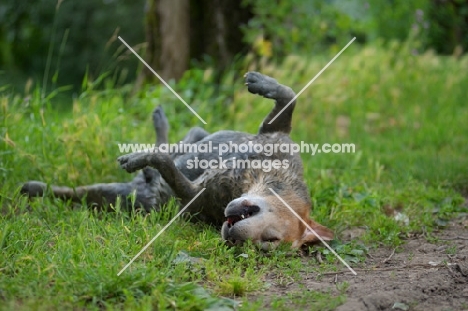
{"x": 406, "y": 114}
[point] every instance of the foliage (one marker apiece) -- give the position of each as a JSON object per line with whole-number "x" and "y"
{"x": 298, "y": 27}
{"x": 437, "y": 24}
{"x": 55, "y": 42}
{"x": 61, "y": 41}
{"x": 308, "y": 27}
{"x": 393, "y": 20}
{"x": 449, "y": 26}
{"x": 405, "y": 113}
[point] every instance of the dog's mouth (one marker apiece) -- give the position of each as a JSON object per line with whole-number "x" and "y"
{"x": 242, "y": 214}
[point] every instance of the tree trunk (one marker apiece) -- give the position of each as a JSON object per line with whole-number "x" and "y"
{"x": 178, "y": 31}
{"x": 448, "y": 32}
{"x": 168, "y": 38}
{"x": 216, "y": 29}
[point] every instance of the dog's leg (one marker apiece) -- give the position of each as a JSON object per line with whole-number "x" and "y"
{"x": 96, "y": 195}
{"x": 162, "y": 167}
{"x": 161, "y": 126}
{"x": 270, "y": 88}
{"x": 195, "y": 134}
{"x": 150, "y": 189}
{"x": 164, "y": 164}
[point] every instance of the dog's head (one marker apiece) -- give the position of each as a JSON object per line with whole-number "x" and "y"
{"x": 267, "y": 221}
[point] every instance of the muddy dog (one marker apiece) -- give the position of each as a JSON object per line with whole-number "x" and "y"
{"x": 238, "y": 198}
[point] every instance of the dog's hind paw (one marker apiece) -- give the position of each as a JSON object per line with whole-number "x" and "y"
{"x": 34, "y": 188}
{"x": 160, "y": 121}
{"x": 134, "y": 161}
{"x": 260, "y": 84}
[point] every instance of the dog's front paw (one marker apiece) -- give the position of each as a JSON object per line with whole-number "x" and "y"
{"x": 261, "y": 84}
{"x": 134, "y": 161}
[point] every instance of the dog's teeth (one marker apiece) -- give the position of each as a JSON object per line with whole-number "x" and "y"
{"x": 242, "y": 216}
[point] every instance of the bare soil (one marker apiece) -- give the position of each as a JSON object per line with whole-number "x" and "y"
{"x": 419, "y": 275}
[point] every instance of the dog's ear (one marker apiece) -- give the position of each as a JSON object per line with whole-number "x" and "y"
{"x": 309, "y": 237}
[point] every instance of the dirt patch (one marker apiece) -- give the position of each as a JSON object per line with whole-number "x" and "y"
{"x": 419, "y": 275}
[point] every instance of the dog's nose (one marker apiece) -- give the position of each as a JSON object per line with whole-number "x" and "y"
{"x": 241, "y": 207}
{"x": 239, "y": 210}
{"x": 246, "y": 202}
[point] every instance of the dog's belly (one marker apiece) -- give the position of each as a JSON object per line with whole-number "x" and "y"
{"x": 194, "y": 164}
{"x": 229, "y": 175}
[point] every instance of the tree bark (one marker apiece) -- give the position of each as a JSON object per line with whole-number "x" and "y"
{"x": 168, "y": 38}
{"x": 180, "y": 30}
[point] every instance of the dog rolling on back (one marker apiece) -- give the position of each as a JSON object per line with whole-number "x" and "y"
{"x": 236, "y": 197}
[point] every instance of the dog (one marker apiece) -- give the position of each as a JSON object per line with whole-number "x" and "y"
{"x": 236, "y": 197}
